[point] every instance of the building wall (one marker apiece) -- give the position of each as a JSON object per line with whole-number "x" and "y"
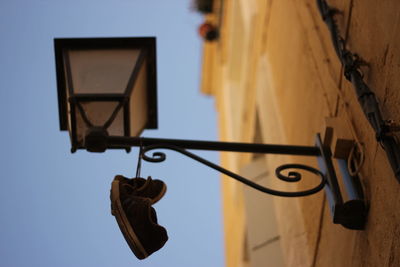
{"x": 275, "y": 78}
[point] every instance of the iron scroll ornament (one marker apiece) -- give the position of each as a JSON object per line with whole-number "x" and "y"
{"x": 292, "y": 176}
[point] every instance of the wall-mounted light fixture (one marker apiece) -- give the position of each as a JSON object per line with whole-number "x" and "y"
{"x": 107, "y": 96}
{"x": 106, "y": 86}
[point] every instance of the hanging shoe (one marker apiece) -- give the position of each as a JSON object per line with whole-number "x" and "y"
{"x": 137, "y": 221}
{"x": 153, "y": 189}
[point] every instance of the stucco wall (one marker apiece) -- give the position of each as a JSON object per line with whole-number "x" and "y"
{"x": 293, "y": 78}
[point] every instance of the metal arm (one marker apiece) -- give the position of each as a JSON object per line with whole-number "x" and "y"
{"x": 291, "y": 177}
{"x": 351, "y": 214}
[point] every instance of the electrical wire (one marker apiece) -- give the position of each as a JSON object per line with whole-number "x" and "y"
{"x": 367, "y": 99}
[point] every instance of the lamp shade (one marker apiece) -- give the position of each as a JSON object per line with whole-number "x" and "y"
{"x": 106, "y": 83}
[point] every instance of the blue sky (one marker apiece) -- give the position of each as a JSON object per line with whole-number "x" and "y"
{"x": 55, "y": 208}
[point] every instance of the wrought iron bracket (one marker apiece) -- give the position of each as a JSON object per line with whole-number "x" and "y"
{"x": 351, "y": 213}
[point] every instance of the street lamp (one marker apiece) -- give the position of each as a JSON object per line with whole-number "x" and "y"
{"x": 107, "y": 96}
{"x": 106, "y": 86}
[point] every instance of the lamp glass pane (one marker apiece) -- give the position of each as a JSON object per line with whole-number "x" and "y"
{"x": 98, "y": 114}
{"x": 101, "y": 70}
{"x": 139, "y": 102}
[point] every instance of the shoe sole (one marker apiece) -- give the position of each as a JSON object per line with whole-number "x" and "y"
{"x": 160, "y": 195}
{"x": 123, "y": 223}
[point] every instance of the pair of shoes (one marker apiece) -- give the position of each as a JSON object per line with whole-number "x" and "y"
{"x": 131, "y": 201}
